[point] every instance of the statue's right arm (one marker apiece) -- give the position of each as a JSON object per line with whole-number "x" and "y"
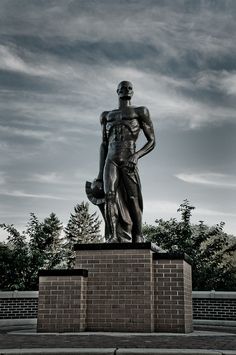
{"x": 104, "y": 145}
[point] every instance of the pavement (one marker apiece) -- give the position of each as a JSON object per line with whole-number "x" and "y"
{"x": 205, "y": 340}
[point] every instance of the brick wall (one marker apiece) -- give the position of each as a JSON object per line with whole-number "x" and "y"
{"x": 62, "y": 300}
{"x": 173, "y": 294}
{"x": 18, "y": 305}
{"x": 214, "y": 305}
{"x": 206, "y": 305}
{"x": 120, "y": 288}
{"x": 188, "y": 301}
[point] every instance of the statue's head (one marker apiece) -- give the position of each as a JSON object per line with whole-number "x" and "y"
{"x": 125, "y": 90}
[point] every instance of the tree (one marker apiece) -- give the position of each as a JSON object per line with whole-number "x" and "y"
{"x": 52, "y": 228}
{"x": 39, "y": 246}
{"x": 209, "y": 248}
{"x": 82, "y": 227}
{"x": 15, "y": 254}
{"x": 5, "y": 266}
{"x": 45, "y": 245}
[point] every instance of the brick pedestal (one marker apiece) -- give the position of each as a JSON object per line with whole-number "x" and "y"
{"x": 130, "y": 288}
{"x": 120, "y": 286}
{"x": 133, "y": 288}
{"x": 173, "y": 293}
{"x": 62, "y": 300}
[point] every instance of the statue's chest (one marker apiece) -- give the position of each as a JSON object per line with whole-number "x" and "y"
{"x": 122, "y": 121}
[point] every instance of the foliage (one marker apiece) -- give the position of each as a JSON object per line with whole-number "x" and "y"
{"x": 82, "y": 227}
{"x": 45, "y": 245}
{"x": 15, "y": 258}
{"x": 6, "y": 259}
{"x": 212, "y": 251}
{"x": 210, "y": 248}
{"x": 39, "y": 246}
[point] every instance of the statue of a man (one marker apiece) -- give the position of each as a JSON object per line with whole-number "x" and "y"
{"x": 118, "y": 177}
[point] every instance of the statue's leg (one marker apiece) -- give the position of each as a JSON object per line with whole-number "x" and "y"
{"x": 133, "y": 191}
{"x": 110, "y": 179}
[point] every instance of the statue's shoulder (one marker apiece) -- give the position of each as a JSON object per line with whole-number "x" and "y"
{"x": 142, "y": 112}
{"x": 103, "y": 117}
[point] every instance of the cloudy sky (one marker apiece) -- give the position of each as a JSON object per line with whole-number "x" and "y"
{"x": 60, "y": 63}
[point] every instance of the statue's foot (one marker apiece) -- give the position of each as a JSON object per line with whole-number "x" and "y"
{"x": 125, "y": 238}
{"x": 138, "y": 239}
{"x": 111, "y": 239}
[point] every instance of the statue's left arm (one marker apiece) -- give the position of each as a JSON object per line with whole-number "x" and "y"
{"x": 147, "y": 127}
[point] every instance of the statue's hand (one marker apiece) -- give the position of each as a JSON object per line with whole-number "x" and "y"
{"x": 98, "y": 183}
{"x": 97, "y": 188}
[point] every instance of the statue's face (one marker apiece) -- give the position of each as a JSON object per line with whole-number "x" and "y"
{"x": 125, "y": 90}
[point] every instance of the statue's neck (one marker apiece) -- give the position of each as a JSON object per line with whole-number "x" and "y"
{"x": 123, "y": 104}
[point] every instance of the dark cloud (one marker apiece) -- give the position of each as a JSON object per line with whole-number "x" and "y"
{"x": 21, "y": 81}
{"x": 82, "y": 50}
{"x": 212, "y": 96}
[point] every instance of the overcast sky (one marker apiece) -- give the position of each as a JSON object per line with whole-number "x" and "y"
{"x": 60, "y": 63}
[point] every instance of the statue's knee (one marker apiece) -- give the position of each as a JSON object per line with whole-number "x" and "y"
{"x": 111, "y": 205}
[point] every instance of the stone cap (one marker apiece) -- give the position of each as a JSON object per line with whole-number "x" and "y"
{"x": 173, "y": 256}
{"x": 118, "y": 246}
{"x": 64, "y": 272}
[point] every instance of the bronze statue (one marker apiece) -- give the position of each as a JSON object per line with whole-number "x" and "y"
{"x": 117, "y": 189}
